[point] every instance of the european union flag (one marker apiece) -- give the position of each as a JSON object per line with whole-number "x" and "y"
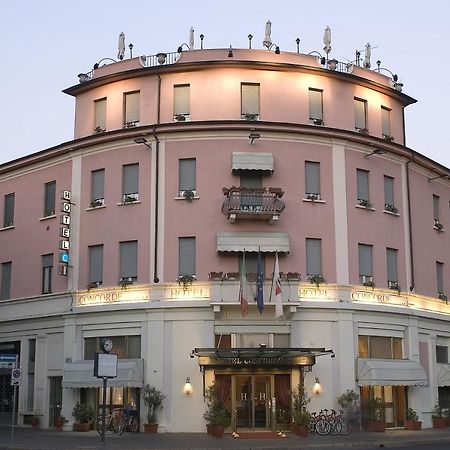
{"x": 259, "y": 284}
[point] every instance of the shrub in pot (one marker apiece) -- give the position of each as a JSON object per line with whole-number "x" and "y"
{"x": 84, "y": 415}
{"x": 439, "y": 421}
{"x": 59, "y": 422}
{"x": 211, "y": 397}
{"x": 301, "y": 416}
{"x": 220, "y": 420}
{"x": 349, "y": 402}
{"x": 153, "y": 399}
{"x": 376, "y": 415}
{"x": 412, "y": 420}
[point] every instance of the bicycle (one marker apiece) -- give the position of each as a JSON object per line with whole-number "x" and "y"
{"x": 127, "y": 422}
{"x": 111, "y": 422}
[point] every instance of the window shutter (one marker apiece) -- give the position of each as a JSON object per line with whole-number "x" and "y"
{"x": 315, "y": 104}
{"x": 128, "y": 259}
{"x": 249, "y": 98}
{"x": 362, "y": 182}
{"x": 313, "y": 257}
{"x": 98, "y": 184}
{"x": 250, "y": 180}
{"x": 130, "y": 179}
{"x": 391, "y": 259}
{"x": 388, "y": 190}
{"x": 8, "y": 219}
{"x": 312, "y": 177}
{"x": 50, "y": 192}
{"x": 360, "y": 114}
{"x": 5, "y": 288}
{"x": 186, "y": 256}
{"x": 386, "y": 121}
{"x": 365, "y": 260}
{"x": 181, "y": 100}
{"x": 132, "y": 107}
{"x": 440, "y": 276}
{"x": 95, "y": 263}
{"x": 187, "y": 174}
{"x": 47, "y": 260}
{"x": 436, "y": 207}
{"x": 100, "y": 114}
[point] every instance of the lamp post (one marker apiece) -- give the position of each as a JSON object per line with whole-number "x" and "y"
{"x": 250, "y": 37}
{"x": 297, "y": 41}
{"x": 131, "y": 50}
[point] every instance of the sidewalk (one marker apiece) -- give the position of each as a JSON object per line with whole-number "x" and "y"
{"x": 27, "y": 438}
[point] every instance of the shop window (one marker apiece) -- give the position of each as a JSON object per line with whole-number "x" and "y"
{"x": 187, "y": 177}
{"x": 380, "y": 347}
{"x": 130, "y": 183}
{"x": 442, "y": 354}
{"x": 126, "y": 347}
{"x": 181, "y": 102}
{"x": 100, "y": 115}
{"x": 97, "y": 188}
{"x": 8, "y": 212}
{"x": 5, "y": 287}
{"x": 312, "y": 180}
{"x": 131, "y": 109}
{"x": 49, "y": 198}
{"x": 316, "y": 106}
{"x": 128, "y": 261}
{"x": 47, "y": 269}
{"x": 250, "y": 101}
{"x": 31, "y": 373}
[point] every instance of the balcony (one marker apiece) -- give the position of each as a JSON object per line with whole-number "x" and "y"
{"x": 253, "y": 203}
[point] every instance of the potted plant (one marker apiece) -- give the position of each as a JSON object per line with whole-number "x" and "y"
{"x": 220, "y": 420}
{"x": 376, "y": 415}
{"x": 59, "y": 422}
{"x": 317, "y": 280}
{"x": 83, "y": 414}
{"x": 153, "y": 399}
{"x": 211, "y": 397}
{"x": 301, "y": 416}
{"x": 439, "y": 421}
{"x": 412, "y": 420}
{"x": 349, "y": 402}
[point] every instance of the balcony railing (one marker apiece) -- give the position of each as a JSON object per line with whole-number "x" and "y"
{"x": 253, "y": 203}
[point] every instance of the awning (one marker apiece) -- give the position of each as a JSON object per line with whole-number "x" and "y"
{"x": 252, "y": 242}
{"x": 252, "y": 161}
{"x": 390, "y": 372}
{"x": 443, "y": 371}
{"x": 80, "y": 374}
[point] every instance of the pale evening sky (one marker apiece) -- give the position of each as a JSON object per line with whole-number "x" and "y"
{"x": 47, "y": 43}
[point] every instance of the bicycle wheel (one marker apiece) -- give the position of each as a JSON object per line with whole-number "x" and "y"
{"x": 323, "y": 427}
{"x": 346, "y": 427}
{"x": 99, "y": 424}
{"x": 336, "y": 427}
{"x": 134, "y": 425}
{"x": 118, "y": 425}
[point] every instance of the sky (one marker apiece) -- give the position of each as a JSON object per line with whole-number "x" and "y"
{"x": 47, "y": 43}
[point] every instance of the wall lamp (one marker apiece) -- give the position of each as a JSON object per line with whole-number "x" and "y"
{"x": 142, "y": 140}
{"x": 188, "y": 387}
{"x": 317, "y": 389}
{"x": 377, "y": 151}
{"x": 253, "y": 136}
{"x": 250, "y": 37}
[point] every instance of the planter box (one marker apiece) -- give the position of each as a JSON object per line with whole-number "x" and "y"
{"x": 410, "y": 425}
{"x": 150, "y": 427}
{"x": 301, "y": 430}
{"x": 218, "y": 430}
{"x": 209, "y": 428}
{"x": 439, "y": 422}
{"x": 375, "y": 426}
{"x": 81, "y": 426}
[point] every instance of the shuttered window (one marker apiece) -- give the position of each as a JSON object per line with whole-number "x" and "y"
{"x": 313, "y": 257}
{"x": 8, "y": 214}
{"x": 386, "y": 121}
{"x": 362, "y": 184}
{"x": 128, "y": 259}
{"x": 100, "y": 115}
{"x": 360, "y": 114}
{"x": 131, "y": 116}
{"x": 96, "y": 264}
{"x": 251, "y": 263}
{"x": 391, "y": 261}
{"x": 315, "y": 104}
{"x": 388, "y": 191}
{"x": 249, "y": 99}
{"x": 130, "y": 181}
{"x": 181, "y": 100}
{"x": 436, "y": 207}
{"x": 186, "y": 256}
{"x": 187, "y": 174}
{"x": 365, "y": 260}
{"x": 312, "y": 177}
{"x": 47, "y": 267}
{"x": 98, "y": 185}
{"x": 5, "y": 288}
{"x": 440, "y": 277}
{"x": 49, "y": 198}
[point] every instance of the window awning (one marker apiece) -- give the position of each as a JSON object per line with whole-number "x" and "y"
{"x": 80, "y": 374}
{"x": 390, "y": 372}
{"x": 443, "y": 378}
{"x": 252, "y": 242}
{"x": 252, "y": 161}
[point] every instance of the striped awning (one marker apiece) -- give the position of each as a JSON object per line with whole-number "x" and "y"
{"x": 253, "y": 242}
{"x": 252, "y": 161}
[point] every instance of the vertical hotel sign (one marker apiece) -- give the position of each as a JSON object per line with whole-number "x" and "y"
{"x": 64, "y": 233}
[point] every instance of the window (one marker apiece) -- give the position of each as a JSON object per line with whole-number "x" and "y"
{"x": 31, "y": 373}
{"x": 436, "y": 217}
{"x": 47, "y": 267}
{"x": 186, "y": 256}
{"x": 8, "y": 213}
{"x": 313, "y": 257}
{"x": 5, "y": 287}
{"x": 187, "y": 175}
{"x": 249, "y": 101}
{"x": 316, "y": 106}
{"x": 442, "y": 354}
{"x": 365, "y": 264}
{"x": 362, "y": 187}
{"x": 386, "y": 123}
{"x": 312, "y": 180}
{"x": 130, "y": 183}
{"x": 389, "y": 194}
{"x": 380, "y": 347}
{"x": 124, "y": 346}
{"x": 97, "y": 187}
{"x": 440, "y": 277}
{"x": 391, "y": 263}
{"x": 181, "y": 102}
{"x": 100, "y": 115}
{"x": 131, "y": 109}
{"x": 95, "y": 265}
{"x": 128, "y": 261}
{"x": 251, "y": 264}
{"x": 249, "y": 200}
{"x": 360, "y": 115}
{"x": 49, "y": 198}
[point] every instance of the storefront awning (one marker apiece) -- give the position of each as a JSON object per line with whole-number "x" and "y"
{"x": 390, "y": 372}
{"x": 80, "y": 374}
{"x": 252, "y": 161}
{"x": 252, "y": 242}
{"x": 443, "y": 371}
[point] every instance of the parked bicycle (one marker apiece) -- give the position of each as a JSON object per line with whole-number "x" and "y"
{"x": 127, "y": 421}
{"x": 325, "y": 422}
{"x": 111, "y": 420}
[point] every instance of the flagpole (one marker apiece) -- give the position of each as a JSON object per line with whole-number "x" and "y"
{"x": 273, "y": 277}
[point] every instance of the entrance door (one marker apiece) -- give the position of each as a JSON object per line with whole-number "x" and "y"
{"x": 252, "y": 400}
{"x": 55, "y": 401}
